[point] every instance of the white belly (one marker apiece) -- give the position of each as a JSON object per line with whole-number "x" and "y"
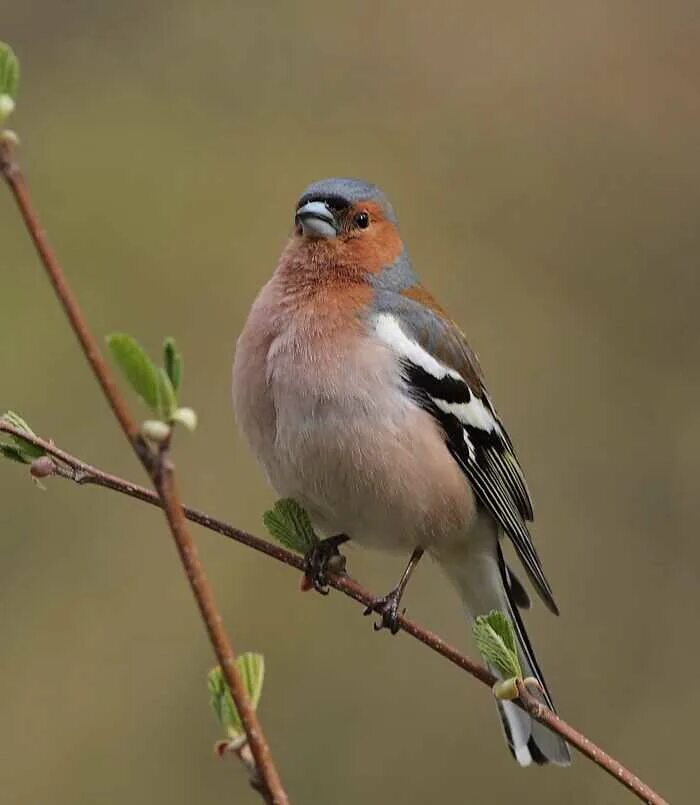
{"x": 351, "y": 447}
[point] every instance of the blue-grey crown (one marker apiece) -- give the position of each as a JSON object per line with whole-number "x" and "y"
{"x": 339, "y": 193}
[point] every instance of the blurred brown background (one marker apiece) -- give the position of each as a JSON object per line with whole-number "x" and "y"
{"x": 544, "y": 162}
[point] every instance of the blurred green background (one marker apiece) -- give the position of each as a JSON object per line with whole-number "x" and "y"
{"x": 543, "y": 158}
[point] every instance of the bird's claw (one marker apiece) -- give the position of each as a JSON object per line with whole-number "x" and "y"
{"x": 387, "y": 607}
{"x": 322, "y": 559}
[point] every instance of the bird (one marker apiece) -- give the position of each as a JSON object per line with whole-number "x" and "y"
{"x": 362, "y": 400}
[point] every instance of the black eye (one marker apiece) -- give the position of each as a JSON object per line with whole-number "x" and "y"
{"x": 362, "y": 220}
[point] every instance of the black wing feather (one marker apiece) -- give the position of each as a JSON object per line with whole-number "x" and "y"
{"x": 487, "y": 459}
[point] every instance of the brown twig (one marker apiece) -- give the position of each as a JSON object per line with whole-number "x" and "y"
{"x": 15, "y": 180}
{"x": 245, "y": 756}
{"x": 613, "y": 767}
{"x": 157, "y": 464}
{"x": 72, "y": 468}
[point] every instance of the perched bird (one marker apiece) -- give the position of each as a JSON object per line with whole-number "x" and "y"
{"x": 363, "y": 402}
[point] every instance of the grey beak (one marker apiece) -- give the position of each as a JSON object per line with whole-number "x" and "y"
{"x": 317, "y": 220}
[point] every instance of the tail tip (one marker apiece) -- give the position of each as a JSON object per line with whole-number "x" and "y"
{"x": 531, "y": 753}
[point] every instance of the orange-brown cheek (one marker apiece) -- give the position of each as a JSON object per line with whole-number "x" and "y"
{"x": 377, "y": 247}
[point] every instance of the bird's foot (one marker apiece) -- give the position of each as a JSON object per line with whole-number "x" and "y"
{"x": 387, "y": 607}
{"x": 322, "y": 559}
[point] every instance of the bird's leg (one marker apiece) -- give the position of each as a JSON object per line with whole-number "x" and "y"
{"x": 388, "y": 605}
{"x": 321, "y": 559}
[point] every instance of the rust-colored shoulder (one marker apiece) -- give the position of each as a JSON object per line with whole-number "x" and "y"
{"x": 449, "y": 345}
{"x": 418, "y": 293}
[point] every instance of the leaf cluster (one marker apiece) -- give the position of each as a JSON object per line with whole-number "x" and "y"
{"x": 9, "y": 81}
{"x": 157, "y": 386}
{"x": 14, "y": 447}
{"x": 251, "y": 667}
{"x": 290, "y": 525}
{"x": 495, "y": 640}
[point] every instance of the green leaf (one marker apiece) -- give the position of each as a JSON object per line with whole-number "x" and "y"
{"x": 23, "y": 450}
{"x": 9, "y": 71}
{"x": 495, "y": 640}
{"x": 167, "y": 401}
{"x": 172, "y": 360}
{"x": 251, "y": 667}
{"x": 501, "y": 624}
{"x": 13, "y": 452}
{"x": 220, "y": 700}
{"x": 290, "y": 525}
{"x": 137, "y": 367}
{"x": 17, "y": 422}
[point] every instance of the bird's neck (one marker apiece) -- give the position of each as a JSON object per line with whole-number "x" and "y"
{"x": 319, "y": 294}
{"x": 308, "y": 268}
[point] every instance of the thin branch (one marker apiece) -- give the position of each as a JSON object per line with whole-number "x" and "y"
{"x": 245, "y": 756}
{"x": 13, "y": 176}
{"x": 613, "y": 767}
{"x": 248, "y": 761}
{"x": 158, "y": 466}
{"x": 72, "y": 468}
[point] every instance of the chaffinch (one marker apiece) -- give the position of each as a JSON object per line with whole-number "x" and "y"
{"x": 363, "y": 401}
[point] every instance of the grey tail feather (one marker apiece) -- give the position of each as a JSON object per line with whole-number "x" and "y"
{"x": 528, "y": 740}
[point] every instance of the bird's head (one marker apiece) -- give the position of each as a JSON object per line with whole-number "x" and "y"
{"x": 346, "y": 222}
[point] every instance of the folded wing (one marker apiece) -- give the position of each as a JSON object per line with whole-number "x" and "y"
{"x": 443, "y": 376}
